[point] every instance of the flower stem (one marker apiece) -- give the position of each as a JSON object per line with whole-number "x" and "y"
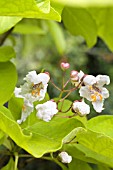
{"x": 56, "y": 161}
{"x": 16, "y": 160}
{"x": 55, "y": 85}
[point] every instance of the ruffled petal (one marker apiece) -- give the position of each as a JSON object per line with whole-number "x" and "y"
{"x": 105, "y": 93}
{"x": 17, "y": 92}
{"x": 31, "y": 77}
{"x": 43, "y": 77}
{"x": 80, "y": 74}
{"x": 26, "y": 111}
{"x": 89, "y": 80}
{"x": 98, "y": 105}
{"x": 102, "y": 79}
{"x": 85, "y": 92}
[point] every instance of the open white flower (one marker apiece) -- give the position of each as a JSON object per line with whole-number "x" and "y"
{"x": 46, "y": 110}
{"x": 94, "y": 90}
{"x": 65, "y": 158}
{"x": 27, "y": 109}
{"x": 35, "y": 86}
{"x": 81, "y": 108}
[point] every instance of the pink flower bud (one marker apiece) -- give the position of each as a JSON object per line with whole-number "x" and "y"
{"x": 64, "y": 66}
{"x": 74, "y": 76}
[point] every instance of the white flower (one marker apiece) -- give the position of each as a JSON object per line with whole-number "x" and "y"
{"x": 65, "y": 158}
{"x": 35, "y": 86}
{"x": 27, "y": 109}
{"x": 81, "y": 108}
{"x": 46, "y": 110}
{"x": 94, "y": 90}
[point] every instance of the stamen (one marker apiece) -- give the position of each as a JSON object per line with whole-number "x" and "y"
{"x": 36, "y": 89}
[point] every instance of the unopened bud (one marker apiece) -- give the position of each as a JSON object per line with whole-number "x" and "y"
{"x": 74, "y": 76}
{"x": 64, "y": 66}
{"x": 65, "y": 158}
{"x": 81, "y": 108}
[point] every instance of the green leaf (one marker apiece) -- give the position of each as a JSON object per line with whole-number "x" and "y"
{"x": 10, "y": 165}
{"x": 75, "y": 151}
{"x": 29, "y": 9}
{"x": 7, "y": 22}
{"x": 102, "y": 124}
{"x": 15, "y": 106}
{"x": 80, "y": 22}
{"x": 1, "y": 137}
{"x": 28, "y": 26}
{"x": 6, "y": 53}
{"x": 40, "y": 137}
{"x": 102, "y": 167}
{"x": 58, "y": 36}
{"x": 80, "y": 165}
{"x": 8, "y": 79}
{"x": 104, "y": 21}
{"x": 91, "y": 147}
{"x": 96, "y": 146}
{"x": 44, "y": 6}
{"x": 85, "y": 3}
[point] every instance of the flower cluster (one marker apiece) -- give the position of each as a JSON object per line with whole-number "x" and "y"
{"x": 92, "y": 89}
{"x": 34, "y": 89}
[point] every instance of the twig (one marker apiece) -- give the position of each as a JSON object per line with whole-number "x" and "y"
{"x": 5, "y": 35}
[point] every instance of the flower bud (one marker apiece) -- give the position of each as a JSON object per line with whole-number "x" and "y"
{"x": 64, "y": 157}
{"x": 74, "y": 76}
{"x": 81, "y": 108}
{"x": 64, "y": 66}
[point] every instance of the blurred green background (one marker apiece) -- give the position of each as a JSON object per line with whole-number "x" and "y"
{"x": 44, "y": 45}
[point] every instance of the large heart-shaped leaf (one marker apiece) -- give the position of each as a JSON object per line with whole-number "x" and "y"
{"x": 38, "y": 137}
{"x": 30, "y": 9}
{"x": 91, "y": 146}
{"x": 80, "y": 22}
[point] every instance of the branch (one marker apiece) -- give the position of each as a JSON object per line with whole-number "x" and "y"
{"x": 5, "y": 35}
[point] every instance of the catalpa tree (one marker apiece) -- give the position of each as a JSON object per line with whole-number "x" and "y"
{"x": 56, "y": 128}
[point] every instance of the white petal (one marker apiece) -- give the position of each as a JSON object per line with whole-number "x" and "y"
{"x": 85, "y": 92}
{"x": 43, "y": 77}
{"x": 105, "y": 93}
{"x": 98, "y": 105}
{"x": 31, "y": 76}
{"x": 26, "y": 112}
{"x": 89, "y": 80}
{"x": 17, "y": 92}
{"x": 80, "y": 74}
{"x": 102, "y": 79}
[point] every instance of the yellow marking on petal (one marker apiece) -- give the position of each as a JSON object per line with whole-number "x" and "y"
{"x": 100, "y": 96}
{"x": 23, "y": 108}
{"x": 90, "y": 88}
{"x": 93, "y": 97}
